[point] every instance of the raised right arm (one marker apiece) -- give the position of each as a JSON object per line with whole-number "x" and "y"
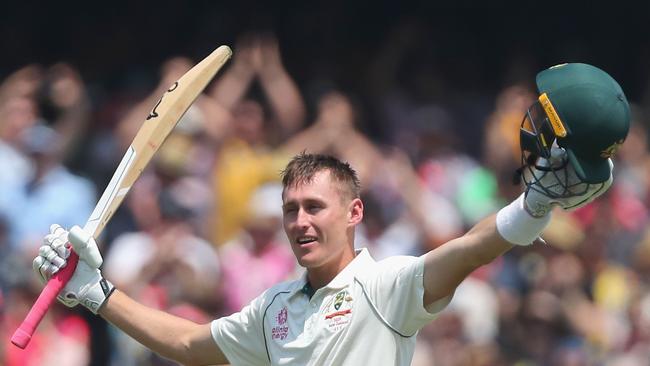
{"x": 172, "y": 337}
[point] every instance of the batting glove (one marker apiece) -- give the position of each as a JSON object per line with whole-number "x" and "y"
{"x": 87, "y": 286}
{"x": 554, "y": 182}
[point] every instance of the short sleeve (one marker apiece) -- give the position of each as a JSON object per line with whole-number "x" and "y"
{"x": 240, "y": 336}
{"x": 397, "y": 291}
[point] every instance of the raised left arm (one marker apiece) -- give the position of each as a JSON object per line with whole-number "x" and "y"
{"x": 447, "y": 266}
{"x": 519, "y": 223}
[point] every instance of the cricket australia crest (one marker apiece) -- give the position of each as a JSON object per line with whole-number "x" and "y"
{"x": 338, "y": 312}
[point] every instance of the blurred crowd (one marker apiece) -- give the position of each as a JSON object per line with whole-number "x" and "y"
{"x": 200, "y": 233}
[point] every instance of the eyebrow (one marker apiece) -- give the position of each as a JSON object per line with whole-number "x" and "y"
{"x": 288, "y": 204}
{"x": 306, "y": 201}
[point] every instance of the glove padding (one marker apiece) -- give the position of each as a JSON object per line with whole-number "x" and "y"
{"x": 87, "y": 286}
{"x": 554, "y": 182}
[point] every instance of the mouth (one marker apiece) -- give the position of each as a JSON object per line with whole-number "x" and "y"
{"x": 304, "y": 240}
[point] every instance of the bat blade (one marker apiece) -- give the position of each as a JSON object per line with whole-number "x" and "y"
{"x": 156, "y": 127}
{"x": 153, "y": 132}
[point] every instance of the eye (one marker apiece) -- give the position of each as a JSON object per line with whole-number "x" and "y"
{"x": 313, "y": 208}
{"x": 289, "y": 210}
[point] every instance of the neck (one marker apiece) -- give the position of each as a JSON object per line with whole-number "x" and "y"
{"x": 320, "y": 276}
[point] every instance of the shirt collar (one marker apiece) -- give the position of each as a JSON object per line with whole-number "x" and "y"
{"x": 360, "y": 263}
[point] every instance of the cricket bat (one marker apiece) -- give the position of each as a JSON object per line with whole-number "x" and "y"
{"x": 155, "y": 129}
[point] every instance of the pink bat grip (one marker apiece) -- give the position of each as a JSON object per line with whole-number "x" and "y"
{"x": 24, "y": 333}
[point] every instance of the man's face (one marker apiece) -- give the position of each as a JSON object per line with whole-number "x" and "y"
{"x": 316, "y": 219}
{"x": 249, "y": 121}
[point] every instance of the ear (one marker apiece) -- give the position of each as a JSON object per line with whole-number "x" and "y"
{"x": 355, "y": 212}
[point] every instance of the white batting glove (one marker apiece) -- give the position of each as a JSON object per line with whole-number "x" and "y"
{"x": 538, "y": 200}
{"x": 87, "y": 286}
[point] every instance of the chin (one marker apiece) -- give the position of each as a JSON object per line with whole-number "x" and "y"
{"x": 308, "y": 259}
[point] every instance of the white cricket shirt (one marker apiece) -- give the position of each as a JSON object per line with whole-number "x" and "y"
{"x": 369, "y": 314}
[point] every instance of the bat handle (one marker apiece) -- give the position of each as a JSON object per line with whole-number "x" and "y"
{"x": 24, "y": 333}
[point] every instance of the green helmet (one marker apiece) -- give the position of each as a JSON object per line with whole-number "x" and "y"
{"x": 582, "y": 109}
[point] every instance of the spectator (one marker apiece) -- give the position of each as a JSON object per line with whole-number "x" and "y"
{"x": 258, "y": 256}
{"x": 31, "y": 204}
{"x": 247, "y": 157}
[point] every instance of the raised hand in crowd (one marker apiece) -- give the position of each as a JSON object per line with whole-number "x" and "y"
{"x": 68, "y": 103}
{"x": 257, "y": 57}
{"x": 23, "y": 82}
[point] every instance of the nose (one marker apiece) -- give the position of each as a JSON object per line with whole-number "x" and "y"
{"x": 302, "y": 219}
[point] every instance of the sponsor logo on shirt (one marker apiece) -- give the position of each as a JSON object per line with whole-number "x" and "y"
{"x": 282, "y": 316}
{"x": 281, "y": 330}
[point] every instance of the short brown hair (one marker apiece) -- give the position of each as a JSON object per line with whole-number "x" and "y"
{"x": 303, "y": 167}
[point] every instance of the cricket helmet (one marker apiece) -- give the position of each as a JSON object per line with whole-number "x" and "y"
{"x": 584, "y": 111}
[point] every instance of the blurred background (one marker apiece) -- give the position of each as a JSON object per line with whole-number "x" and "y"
{"x": 423, "y": 99}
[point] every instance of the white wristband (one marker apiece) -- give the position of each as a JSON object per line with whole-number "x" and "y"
{"x": 517, "y": 226}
